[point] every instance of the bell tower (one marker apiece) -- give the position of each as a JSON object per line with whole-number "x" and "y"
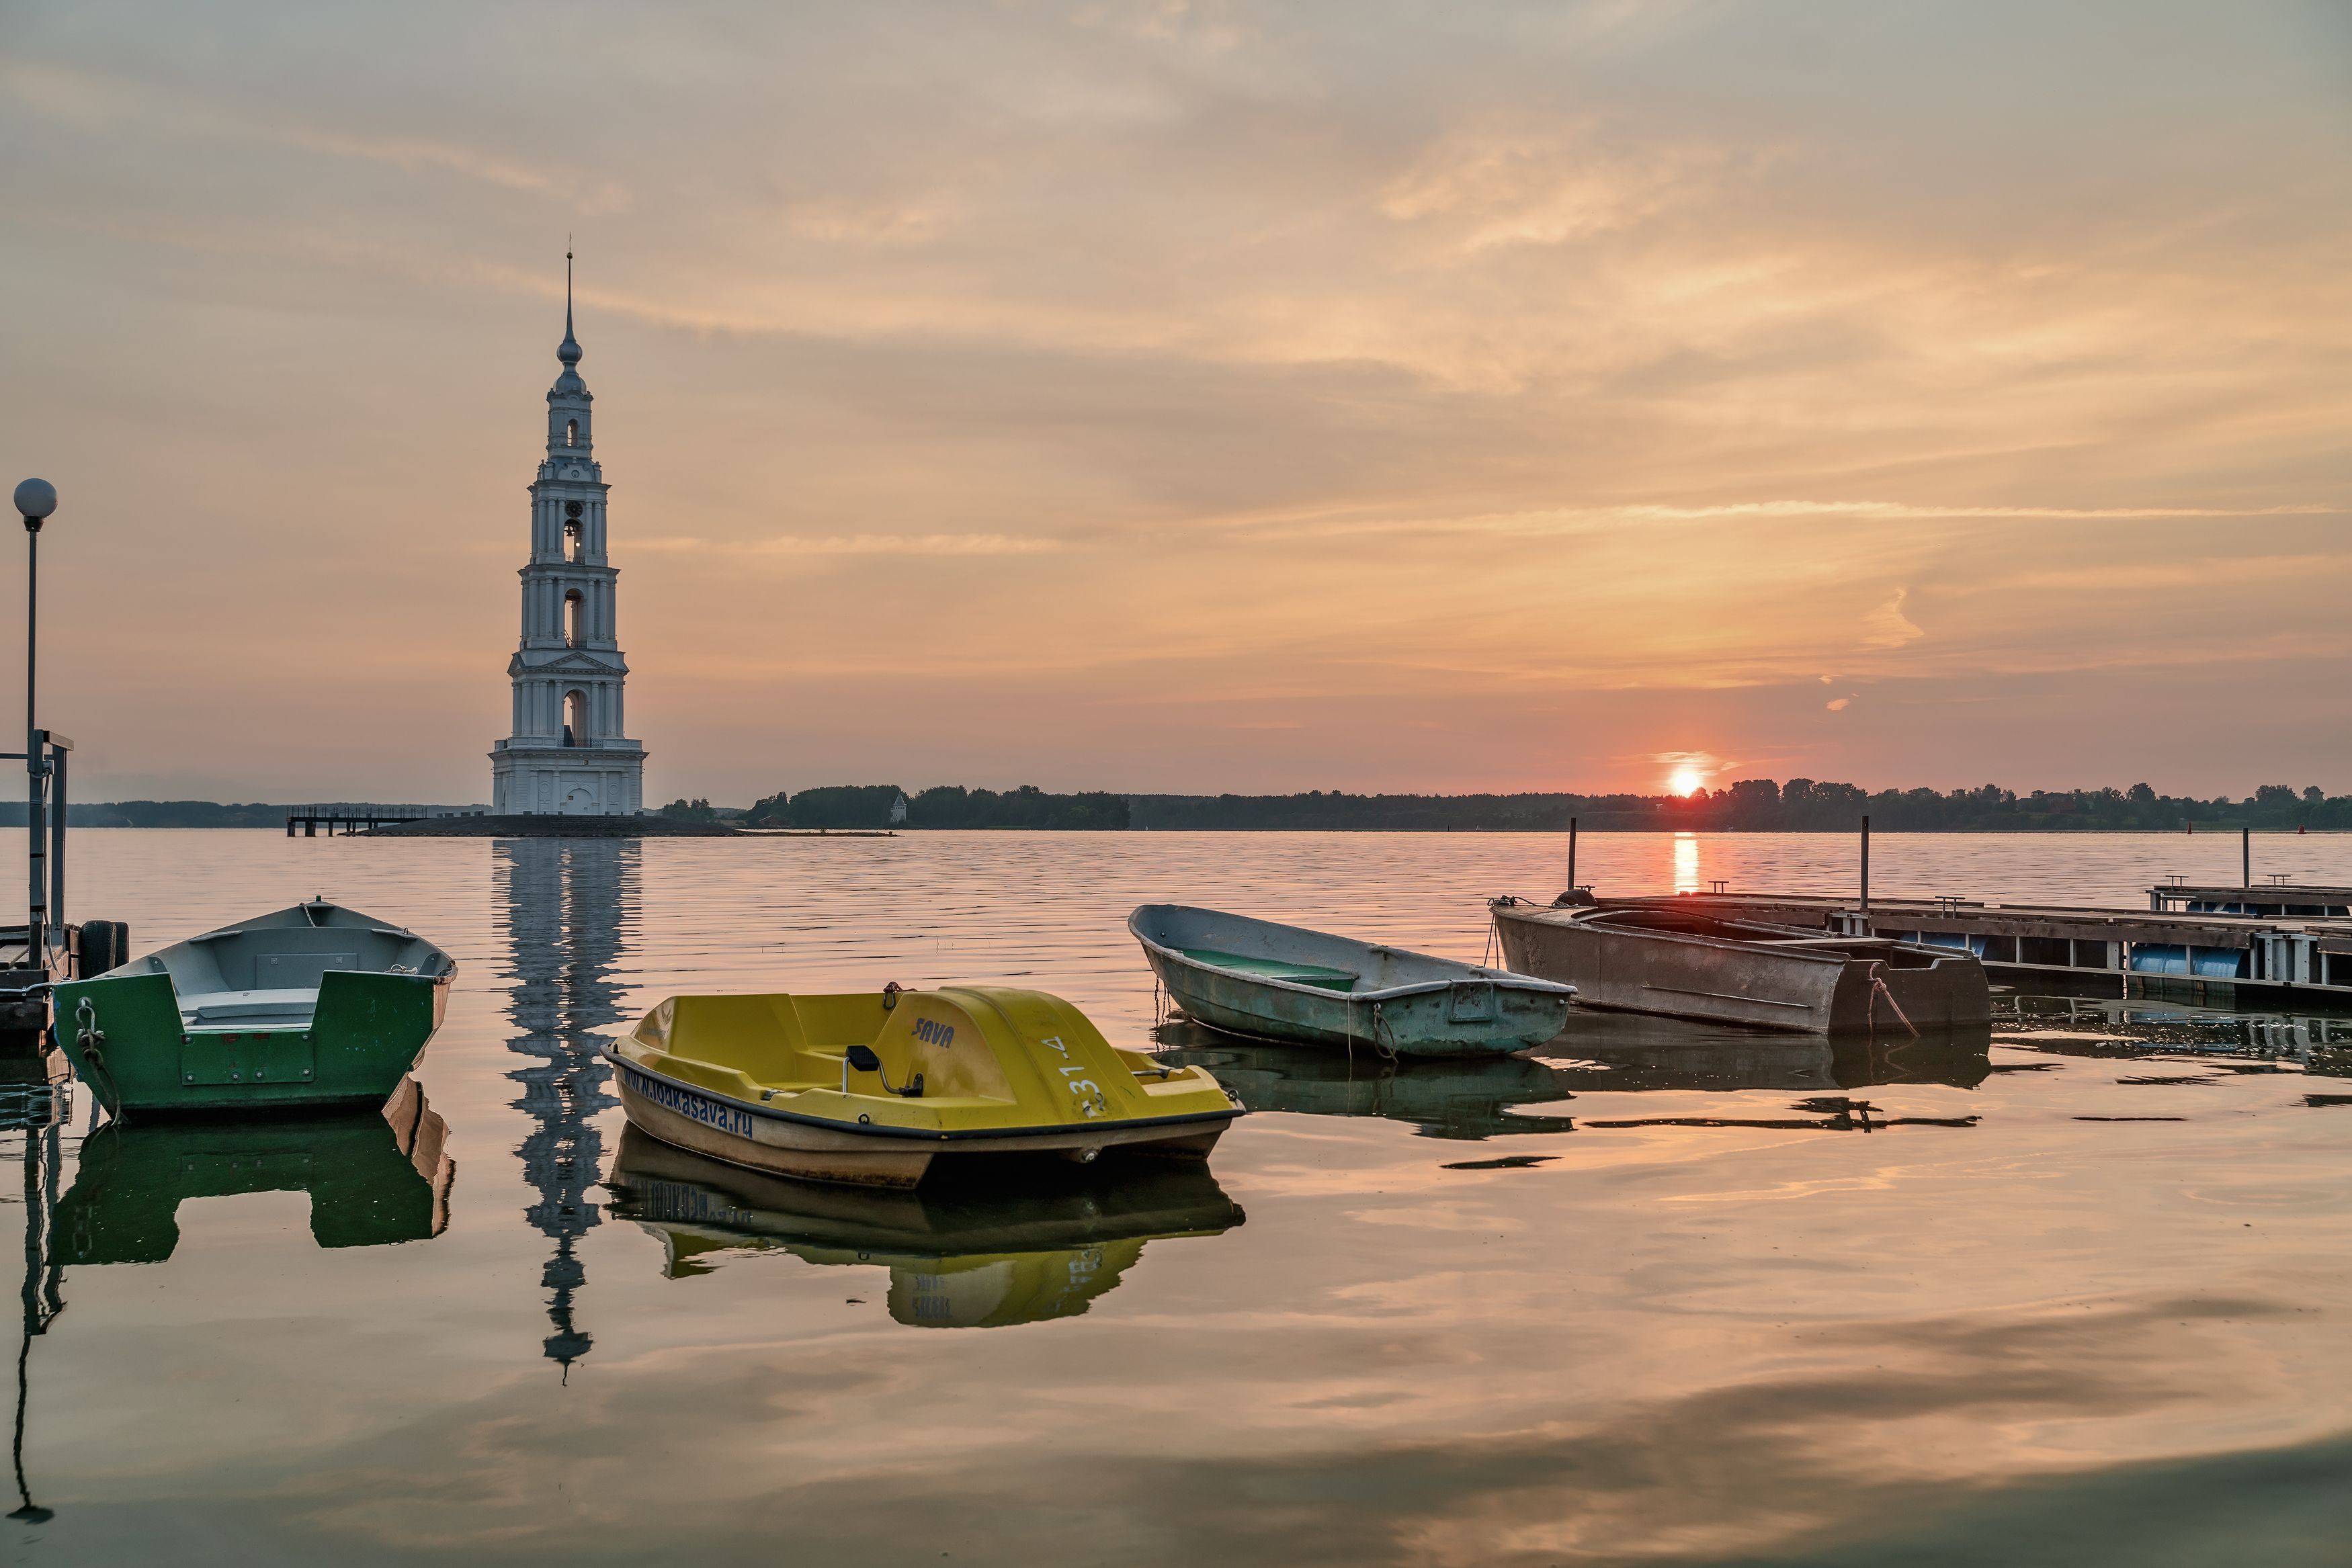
{"x": 569, "y": 753}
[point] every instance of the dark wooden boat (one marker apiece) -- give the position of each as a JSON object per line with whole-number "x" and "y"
{"x": 1687, "y": 965}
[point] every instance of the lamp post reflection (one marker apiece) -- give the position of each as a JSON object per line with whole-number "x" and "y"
{"x": 43, "y": 1276}
{"x": 567, "y": 905}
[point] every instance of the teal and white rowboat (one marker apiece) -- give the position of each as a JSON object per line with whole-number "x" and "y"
{"x": 1309, "y": 987}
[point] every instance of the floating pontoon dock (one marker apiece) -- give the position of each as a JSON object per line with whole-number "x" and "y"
{"x": 2223, "y": 946}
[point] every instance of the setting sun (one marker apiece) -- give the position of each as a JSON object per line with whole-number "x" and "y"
{"x": 1684, "y": 782}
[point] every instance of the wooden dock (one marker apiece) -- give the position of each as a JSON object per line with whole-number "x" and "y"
{"x": 2277, "y": 945}
{"x": 363, "y": 816}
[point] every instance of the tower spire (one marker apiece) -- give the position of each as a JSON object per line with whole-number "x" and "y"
{"x": 569, "y": 352}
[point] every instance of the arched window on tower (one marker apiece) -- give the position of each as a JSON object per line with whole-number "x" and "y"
{"x": 575, "y": 718}
{"x": 575, "y": 631}
{"x": 571, "y": 432}
{"x": 576, "y": 534}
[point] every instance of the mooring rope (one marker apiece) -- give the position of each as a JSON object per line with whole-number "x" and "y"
{"x": 1878, "y": 988}
{"x": 92, "y": 1040}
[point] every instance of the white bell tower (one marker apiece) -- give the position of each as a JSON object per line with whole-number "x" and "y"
{"x": 568, "y": 754}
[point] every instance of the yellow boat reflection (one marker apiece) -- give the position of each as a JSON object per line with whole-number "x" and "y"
{"x": 963, "y": 1256}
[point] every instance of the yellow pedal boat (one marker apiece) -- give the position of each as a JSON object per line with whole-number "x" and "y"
{"x": 870, "y": 1088}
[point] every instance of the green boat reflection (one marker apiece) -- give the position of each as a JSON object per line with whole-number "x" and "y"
{"x": 373, "y": 1178}
{"x": 1012, "y": 1251}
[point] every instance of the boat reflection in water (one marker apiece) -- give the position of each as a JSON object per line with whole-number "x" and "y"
{"x": 374, "y": 1178}
{"x": 1618, "y": 1055}
{"x": 1019, "y": 1249}
{"x": 1629, "y": 1053}
{"x": 1468, "y": 1097}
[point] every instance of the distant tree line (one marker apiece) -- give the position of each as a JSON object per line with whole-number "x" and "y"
{"x": 1756, "y": 805}
{"x": 156, "y": 814}
{"x": 1751, "y": 805}
{"x": 853, "y": 806}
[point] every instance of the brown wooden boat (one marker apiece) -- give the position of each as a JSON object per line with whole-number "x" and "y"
{"x": 1682, "y": 964}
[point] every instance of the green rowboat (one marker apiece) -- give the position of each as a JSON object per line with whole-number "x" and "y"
{"x": 1298, "y": 987}
{"x": 315, "y": 1005}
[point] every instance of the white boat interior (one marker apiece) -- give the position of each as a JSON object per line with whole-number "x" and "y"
{"x": 1280, "y": 955}
{"x": 267, "y": 970}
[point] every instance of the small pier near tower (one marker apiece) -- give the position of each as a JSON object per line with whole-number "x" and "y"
{"x": 359, "y": 816}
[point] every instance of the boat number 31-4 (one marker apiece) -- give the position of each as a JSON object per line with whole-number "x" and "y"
{"x": 1089, "y": 1092}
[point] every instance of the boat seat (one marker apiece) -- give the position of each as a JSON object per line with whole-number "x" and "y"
{"x": 243, "y": 1007}
{"x": 1316, "y": 975}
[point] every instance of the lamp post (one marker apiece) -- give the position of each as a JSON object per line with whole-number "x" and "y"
{"x": 35, "y": 500}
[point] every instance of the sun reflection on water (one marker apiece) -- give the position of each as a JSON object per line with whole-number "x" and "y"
{"x": 1685, "y": 862}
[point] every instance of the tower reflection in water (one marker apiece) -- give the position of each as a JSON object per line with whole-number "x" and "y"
{"x": 568, "y": 906}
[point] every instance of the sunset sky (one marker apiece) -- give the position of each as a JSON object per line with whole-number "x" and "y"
{"x": 1197, "y": 397}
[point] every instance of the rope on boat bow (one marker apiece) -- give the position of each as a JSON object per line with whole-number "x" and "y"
{"x": 92, "y": 1041}
{"x": 1878, "y": 988}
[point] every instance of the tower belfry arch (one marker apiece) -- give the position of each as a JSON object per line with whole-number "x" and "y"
{"x": 569, "y": 753}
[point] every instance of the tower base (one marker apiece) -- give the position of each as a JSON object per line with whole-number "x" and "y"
{"x": 567, "y": 781}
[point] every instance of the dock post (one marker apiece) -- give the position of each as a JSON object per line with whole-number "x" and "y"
{"x": 1866, "y": 865}
{"x": 59, "y": 748}
{"x": 1571, "y": 854}
{"x": 2246, "y": 857}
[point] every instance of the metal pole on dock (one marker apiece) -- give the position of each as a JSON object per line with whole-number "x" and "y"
{"x": 1866, "y": 865}
{"x": 59, "y": 748}
{"x": 35, "y": 500}
{"x": 2245, "y": 857}
{"x": 1571, "y": 854}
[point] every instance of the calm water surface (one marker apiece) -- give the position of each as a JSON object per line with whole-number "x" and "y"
{"x": 1662, "y": 1293}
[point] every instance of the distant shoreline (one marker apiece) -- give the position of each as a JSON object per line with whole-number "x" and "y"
{"x": 556, "y": 826}
{"x": 1751, "y": 806}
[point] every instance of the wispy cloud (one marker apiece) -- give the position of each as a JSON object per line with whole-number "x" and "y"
{"x": 1900, "y": 510}
{"x": 1887, "y": 626}
{"x": 413, "y": 155}
{"x": 1539, "y": 186}
{"x": 852, "y": 544}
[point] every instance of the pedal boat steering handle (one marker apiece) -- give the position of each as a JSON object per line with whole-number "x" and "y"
{"x": 862, "y": 1058}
